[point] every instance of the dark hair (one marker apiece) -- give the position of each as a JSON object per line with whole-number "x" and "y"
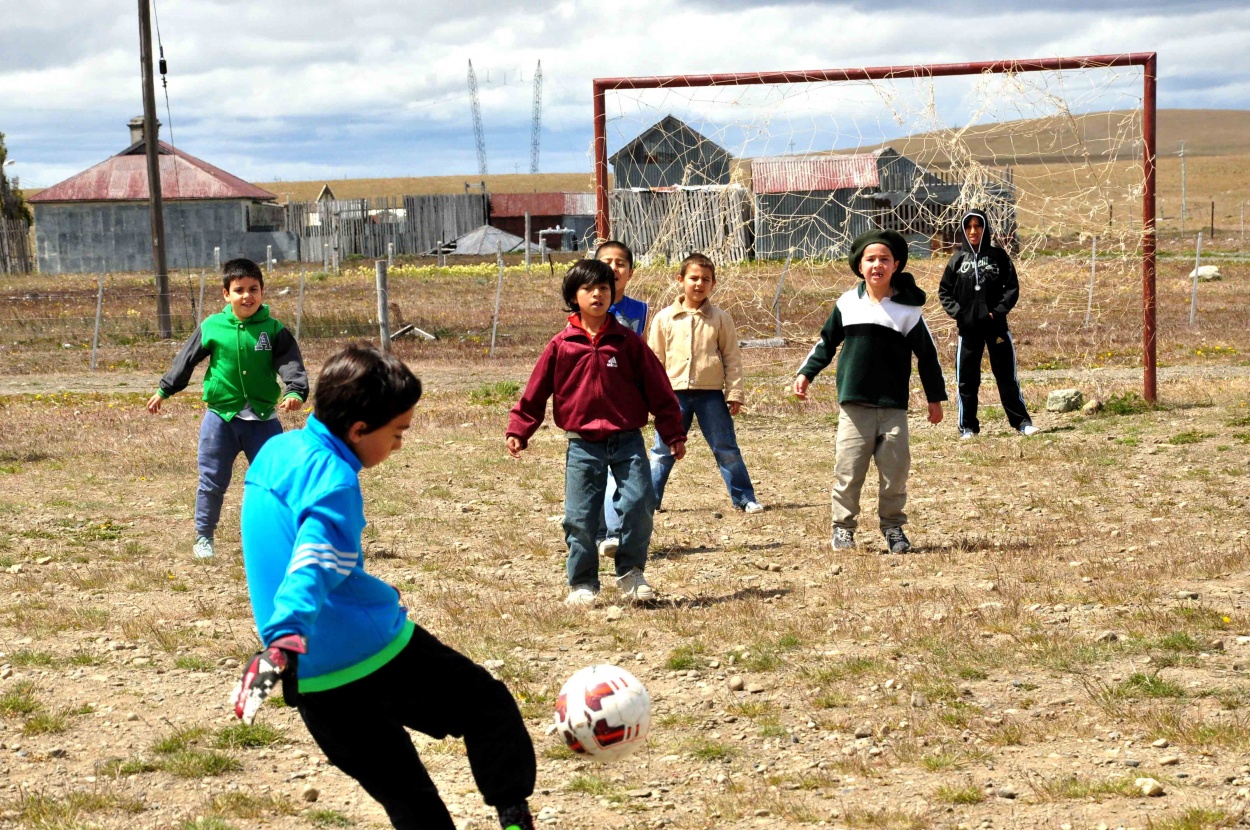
{"x": 237, "y": 269}
{"x": 697, "y": 259}
{"x": 587, "y": 272}
{"x": 620, "y": 246}
{"x": 362, "y": 383}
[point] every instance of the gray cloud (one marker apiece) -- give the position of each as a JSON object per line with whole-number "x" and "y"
{"x": 378, "y": 88}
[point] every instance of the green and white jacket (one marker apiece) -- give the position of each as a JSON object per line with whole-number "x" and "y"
{"x": 243, "y": 358}
{"x": 878, "y": 340}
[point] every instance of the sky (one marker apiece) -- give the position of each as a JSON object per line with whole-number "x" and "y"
{"x": 329, "y": 89}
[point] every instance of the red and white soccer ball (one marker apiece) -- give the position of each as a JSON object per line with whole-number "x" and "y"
{"x": 603, "y": 712}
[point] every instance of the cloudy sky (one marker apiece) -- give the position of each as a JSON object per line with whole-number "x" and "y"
{"x": 329, "y": 89}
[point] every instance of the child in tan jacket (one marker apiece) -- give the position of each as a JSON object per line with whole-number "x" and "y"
{"x": 698, "y": 345}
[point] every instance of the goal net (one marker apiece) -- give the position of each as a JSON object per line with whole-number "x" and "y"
{"x": 772, "y": 175}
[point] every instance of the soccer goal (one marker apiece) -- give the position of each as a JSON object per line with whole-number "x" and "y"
{"x": 774, "y": 173}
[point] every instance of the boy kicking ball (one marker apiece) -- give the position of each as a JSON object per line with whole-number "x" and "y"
{"x": 349, "y": 658}
{"x": 879, "y": 326}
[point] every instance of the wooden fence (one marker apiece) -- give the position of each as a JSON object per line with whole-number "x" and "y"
{"x": 17, "y": 255}
{"x": 675, "y": 223}
{"x": 328, "y": 231}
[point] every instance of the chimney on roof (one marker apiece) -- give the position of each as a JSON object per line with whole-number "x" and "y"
{"x": 136, "y": 129}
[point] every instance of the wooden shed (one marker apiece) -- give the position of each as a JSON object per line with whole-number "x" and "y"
{"x": 813, "y": 206}
{"x": 669, "y": 154}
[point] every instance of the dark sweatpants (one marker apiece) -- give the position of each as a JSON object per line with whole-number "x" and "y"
{"x": 434, "y": 689}
{"x": 1002, "y": 363}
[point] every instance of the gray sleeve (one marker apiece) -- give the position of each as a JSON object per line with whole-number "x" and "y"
{"x": 289, "y": 364}
{"x": 188, "y": 357}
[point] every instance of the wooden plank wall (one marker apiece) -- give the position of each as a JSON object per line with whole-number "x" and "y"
{"x": 676, "y": 223}
{"x": 331, "y": 230}
{"x": 17, "y": 255}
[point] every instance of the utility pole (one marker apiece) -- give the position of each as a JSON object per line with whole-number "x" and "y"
{"x": 163, "y": 323}
{"x": 1182, "y": 155}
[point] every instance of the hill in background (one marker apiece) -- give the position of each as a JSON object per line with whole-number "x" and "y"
{"x": 1212, "y": 137}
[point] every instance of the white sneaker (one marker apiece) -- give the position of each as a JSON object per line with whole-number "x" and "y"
{"x": 203, "y": 548}
{"x": 634, "y": 587}
{"x": 753, "y": 507}
{"x": 966, "y": 434}
{"x": 609, "y": 546}
{"x": 581, "y": 595}
{"x": 1029, "y": 429}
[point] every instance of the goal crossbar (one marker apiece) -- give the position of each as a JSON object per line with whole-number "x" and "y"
{"x": 1147, "y": 60}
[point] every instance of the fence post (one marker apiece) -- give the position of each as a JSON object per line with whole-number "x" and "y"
{"x": 268, "y": 257}
{"x": 217, "y": 259}
{"x": 200, "y": 312}
{"x": 1093, "y": 270}
{"x": 390, "y": 254}
{"x": 384, "y": 315}
{"x": 1193, "y": 299}
{"x": 1213, "y": 219}
{"x": 527, "y": 241}
{"x": 299, "y": 305}
{"x": 494, "y": 326}
{"x": 777, "y": 297}
{"x": 99, "y": 310}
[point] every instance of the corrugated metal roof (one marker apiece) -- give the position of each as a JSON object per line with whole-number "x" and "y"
{"x": 790, "y": 174}
{"x": 542, "y": 204}
{"x": 124, "y": 178}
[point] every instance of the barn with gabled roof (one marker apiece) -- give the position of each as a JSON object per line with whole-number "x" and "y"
{"x": 100, "y": 219}
{"x": 669, "y": 153}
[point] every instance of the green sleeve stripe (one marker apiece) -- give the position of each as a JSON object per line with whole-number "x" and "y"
{"x": 364, "y": 668}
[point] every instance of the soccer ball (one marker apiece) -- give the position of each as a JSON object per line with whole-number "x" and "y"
{"x": 603, "y": 712}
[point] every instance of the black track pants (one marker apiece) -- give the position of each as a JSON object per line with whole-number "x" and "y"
{"x": 1002, "y": 363}
{"x": 436, "y": 690}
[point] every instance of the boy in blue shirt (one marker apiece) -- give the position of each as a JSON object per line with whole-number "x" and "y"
{"x": 358, "y": 669}
{"x": 632, "y": 314}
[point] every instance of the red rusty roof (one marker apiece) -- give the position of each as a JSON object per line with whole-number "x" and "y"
{"x": 542, "y": 204}
{"x": 124, "y": 178}
{"x": 790, "y": 174}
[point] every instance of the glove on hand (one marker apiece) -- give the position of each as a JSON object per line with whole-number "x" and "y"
{"x": 277, "y": 661}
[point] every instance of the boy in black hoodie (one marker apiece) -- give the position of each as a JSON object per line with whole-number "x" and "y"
{"x": 879, "y": 326}
{"x": 978, "y": 290}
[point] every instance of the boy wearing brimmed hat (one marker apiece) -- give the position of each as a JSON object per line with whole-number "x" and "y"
{"x": 880, "y": 326}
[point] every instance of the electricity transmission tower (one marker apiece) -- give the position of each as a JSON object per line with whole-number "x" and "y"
{"x": 536, "y": 131}
{"x": 478, "y": 134}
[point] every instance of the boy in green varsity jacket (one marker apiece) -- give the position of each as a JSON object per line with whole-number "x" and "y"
{"x": 245, "y": 348}
{"x": 880, "y": 326}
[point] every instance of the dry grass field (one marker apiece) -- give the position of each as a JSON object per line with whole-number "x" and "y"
{"x": 1075, "y": 616}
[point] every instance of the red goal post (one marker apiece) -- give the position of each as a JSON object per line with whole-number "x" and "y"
{"x": 1146, "y": 60}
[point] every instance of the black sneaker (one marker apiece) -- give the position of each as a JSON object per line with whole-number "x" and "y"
{"x": 896, "y": 539}
{"x": 843, "y": 538}
{"x": 516, "y": 817}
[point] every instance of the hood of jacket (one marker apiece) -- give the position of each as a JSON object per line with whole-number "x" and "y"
{"x": 906, "y": 291}
{"x": 986, "y": 235}
{"x": 261, "y": 315}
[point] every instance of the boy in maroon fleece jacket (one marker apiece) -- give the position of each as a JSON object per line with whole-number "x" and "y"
{"x": 605, "y": 381}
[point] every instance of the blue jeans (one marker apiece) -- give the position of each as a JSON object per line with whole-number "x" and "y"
{"x": 587, "y": 467}
{"x": 611, "y": 525}
{"x": 717, "y": 426}
{"x": 221, "y": 441}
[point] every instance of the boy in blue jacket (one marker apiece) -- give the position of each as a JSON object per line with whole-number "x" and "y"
{"x": 358, "y": 669}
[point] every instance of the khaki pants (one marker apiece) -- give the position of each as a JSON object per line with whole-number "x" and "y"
{"x": 866, "y": 433}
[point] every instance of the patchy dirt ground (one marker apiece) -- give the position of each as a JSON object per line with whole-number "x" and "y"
{"x": 1074, "y": 619}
